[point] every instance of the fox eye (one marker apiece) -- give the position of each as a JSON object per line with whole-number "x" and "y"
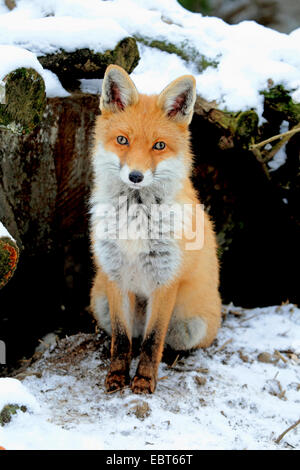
{"x": 159, "y": 146}
{"x": 122, "y": 140}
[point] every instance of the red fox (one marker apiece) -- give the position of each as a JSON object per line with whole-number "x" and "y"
{"x": 149, "y": 283}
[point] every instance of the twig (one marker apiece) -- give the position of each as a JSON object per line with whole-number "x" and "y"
{"x": 280, "y": 395}
{"x": 117, "y": 390}
{"x": 261, "y": 160}
{"x": 225, "y": 344}
{"x": 204, "y": 370}
{"x": 280, "y": 356}
{"x": 236, "y": 313}
{"x": 286, "y": 431}
{"x": 176, "y": 391}
{"x": 174, "y": 362}
{"x": 276, "y": 148}
{"x": 263, "y": 157}
{"x": 249, "y": 318}
{"x": 275, "y": 137}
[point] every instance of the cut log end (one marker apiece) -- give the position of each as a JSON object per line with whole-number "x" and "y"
{"x": 9, "y": 255}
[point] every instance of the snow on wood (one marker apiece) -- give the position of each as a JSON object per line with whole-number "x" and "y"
{"x": 232, "y": 64}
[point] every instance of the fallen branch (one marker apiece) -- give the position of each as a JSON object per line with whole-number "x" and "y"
{"x": 264, "y": 156}
{"x": 279, "y": 438}
{"x": 287, "y": 134}
{"x": 174, "y": 362}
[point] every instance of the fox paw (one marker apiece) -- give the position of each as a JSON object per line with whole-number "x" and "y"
{"x": 116, "y": 381}
{"x": 143, "y": 384}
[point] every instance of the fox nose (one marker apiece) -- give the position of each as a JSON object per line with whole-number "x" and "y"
{"x": 136, "y": 176}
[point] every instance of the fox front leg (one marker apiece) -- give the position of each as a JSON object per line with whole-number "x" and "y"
{"x": 160, "y": 308}
{"x": 118, "y": 374}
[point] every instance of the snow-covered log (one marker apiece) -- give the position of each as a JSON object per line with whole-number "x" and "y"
{"x": 9, "y": 254}
{"x": 86, "y": 63}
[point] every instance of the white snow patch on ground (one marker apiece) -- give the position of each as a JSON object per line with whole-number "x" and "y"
{"x": 246, "y": 55}
{"x": 12, "y": 392}
{"x": 240, "y": 403}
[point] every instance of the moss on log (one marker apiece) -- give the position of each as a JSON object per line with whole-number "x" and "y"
{"x": 8, "y": 411}
{"x": 241, "y": 128}
{"x": 23, "y": 101}
{"x": 236, "y": 128}
{"x": 184, "y": 51}
{"x": 279, "y": 105}
{"x": 9, "y": 254}
{"x": 85, "y": 63}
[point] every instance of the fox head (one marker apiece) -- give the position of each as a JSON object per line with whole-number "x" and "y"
{"x": 143, "y": 141}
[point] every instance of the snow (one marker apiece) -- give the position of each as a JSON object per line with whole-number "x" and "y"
{"x": 280, "y": 157}
{"x": 13, "y": 57}
{"x": 91, "y": 85}
{"x": 12, "y": 392}
{"x": 222, "y": 397}
{"x": 247, "y": 55}
{"x": 4, "y": 232}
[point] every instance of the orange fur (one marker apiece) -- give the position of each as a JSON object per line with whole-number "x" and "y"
{"x": 193, "y": 290}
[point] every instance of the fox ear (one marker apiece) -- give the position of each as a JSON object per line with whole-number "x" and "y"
{"x": 178, "y": 99}
{"x": 118, "y": 90}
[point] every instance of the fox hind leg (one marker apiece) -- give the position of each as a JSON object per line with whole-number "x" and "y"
{"x": 186, "y": 333}
{"x": 195, "y": 319}
{"x": 101, "y": 313}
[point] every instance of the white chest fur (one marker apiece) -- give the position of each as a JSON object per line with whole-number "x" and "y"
{"x": 139, "y": 259}
{"x": 138, "y": 263}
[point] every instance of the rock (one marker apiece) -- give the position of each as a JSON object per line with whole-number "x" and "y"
{"x": 266, "y": 357}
